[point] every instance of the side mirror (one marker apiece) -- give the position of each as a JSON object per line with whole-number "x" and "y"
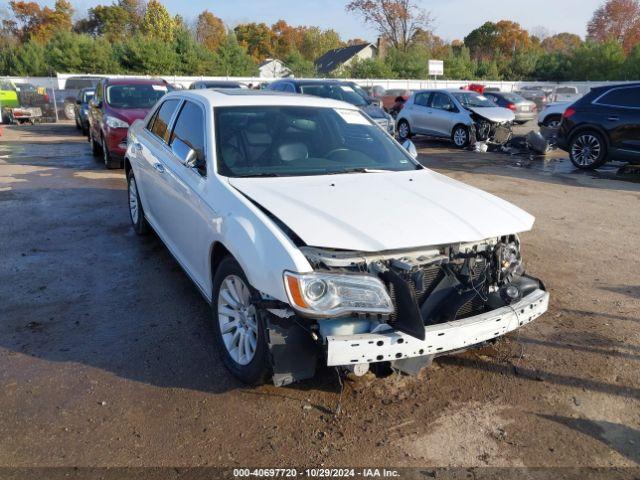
{"x": 410, "y": 148}
{"x": 185, "y": 153}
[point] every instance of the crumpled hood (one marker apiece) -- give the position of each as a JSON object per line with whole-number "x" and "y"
{"x": 374, "y": 212}
{"x": 495, "y": 114}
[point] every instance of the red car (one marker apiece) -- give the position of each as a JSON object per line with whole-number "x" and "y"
{"x": 117, "y": 103}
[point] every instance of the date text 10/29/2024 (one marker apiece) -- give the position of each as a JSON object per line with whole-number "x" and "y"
{"x": 315, "y": 473}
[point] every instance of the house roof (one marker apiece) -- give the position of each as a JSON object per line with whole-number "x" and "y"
{"x": 336, "y": 57}
{"x": 270, "y": 60}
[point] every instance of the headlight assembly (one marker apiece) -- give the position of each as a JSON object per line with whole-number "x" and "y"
{"x": 332, "y": 295}
{"x": 114, "y": 122}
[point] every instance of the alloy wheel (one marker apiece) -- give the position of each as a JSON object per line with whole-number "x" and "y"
{"x": 238, "y": 320}
{"x": 586, "y": 150}
{"x": 460, "y": 137}
{"x": 403, "y": 130}
{"x": 133, "y": 200}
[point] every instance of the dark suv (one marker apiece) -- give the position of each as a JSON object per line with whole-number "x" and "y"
{"x": 602, "y": 125}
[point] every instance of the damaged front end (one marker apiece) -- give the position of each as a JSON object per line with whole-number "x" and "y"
{"x": 490, "y": 132}
{"x": 435, "y": 300}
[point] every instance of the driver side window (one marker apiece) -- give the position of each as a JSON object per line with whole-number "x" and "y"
{"x": 441, "y": 101}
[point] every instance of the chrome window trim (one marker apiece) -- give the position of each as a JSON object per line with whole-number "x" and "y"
{"x": 596, "y": 101}
{"x": 174, "y": 119}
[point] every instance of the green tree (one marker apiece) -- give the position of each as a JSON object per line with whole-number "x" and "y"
{"x": 316, "y": 42}
{"x": 233, "y": 60}
{"x": 193, "y": 58}
{"x": 632, "y": 65}
{"x": 300, "y": 66}
{"x": 410, "y": 63}
{"x": 488, "y": 70}
{"x": 458, "y": 64}
{"x": 63, "y": 53}
{"x": 553, "y": 67}
{"x": 31, "y": 61}
{"x": 96, "y": 55}
{"x": 147, "y": 55}
{"x": 157, "y": 22}
{"x": 369, "y": 68}
{"x": 598, "y": 61}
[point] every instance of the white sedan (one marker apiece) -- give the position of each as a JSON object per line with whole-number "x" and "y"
{"x": 317, "y": 238}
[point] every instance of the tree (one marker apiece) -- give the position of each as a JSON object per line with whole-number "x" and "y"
{"x": 63, "y": 52}
{"x": 256, "y": 38}
{"x": 210, "y": 30}
{"x": 285, "y": 38}
{"x": 193, "y": 58}
{"x": 617, "y": 20}
{"x": 115, "y": 22}
{"x": 598, "y": 61}
{"x": 564, "y": 43}
{"x": 30, "y": 60}
{"x": 300, "y": 66}
{"x": 481, "y": 41}
{"x": 369, "y": 68}
{"x": 395, "y": 20}
{"x": 317, "y": 42}
{"x": 233, "y": 60}
{"x": 632, "y": 65}
{"x": 146, "y": 55}
{"x": 410, "y": 63}
{"x": 157, "y": 22}
{"x": 34, "y": 23}
{"x": 458, "y": 63}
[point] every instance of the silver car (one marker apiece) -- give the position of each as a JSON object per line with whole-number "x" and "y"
{"x": 463, "y": 116}
{"x": 524, "y": 109}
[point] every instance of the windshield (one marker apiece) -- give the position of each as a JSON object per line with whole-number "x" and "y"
{"x": 300, "y": 141}
{"x": 473, "y": 100}
{"x": 134, "y": 96}
{"x": 346, "y": 93}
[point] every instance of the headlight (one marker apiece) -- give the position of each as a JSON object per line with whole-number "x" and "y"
{"x": 510, "y": 259}
{"x": 331, "y": 295}
{"x": 114, "y": 122}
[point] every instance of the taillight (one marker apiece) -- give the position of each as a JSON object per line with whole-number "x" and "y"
{"x": 512, "y": 106}
{"x": 46, "y": 98}
{"x": 569, "y": 112}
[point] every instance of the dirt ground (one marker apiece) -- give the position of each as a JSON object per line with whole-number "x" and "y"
{"x": 107, "y": 359}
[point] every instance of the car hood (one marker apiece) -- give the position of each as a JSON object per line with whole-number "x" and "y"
{"x": 374, "y": 111}
{"x": 494, "y": 114}
{"x": 374, "y": 212}
{"x": 129, "y": 115}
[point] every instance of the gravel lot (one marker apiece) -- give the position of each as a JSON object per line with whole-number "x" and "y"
{"x": 107, "y": 359}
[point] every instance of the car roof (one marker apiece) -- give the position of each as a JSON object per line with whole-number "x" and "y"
{"x": 135, "y": 81}
{"x": 315, "y": 82}
{"x": 246, "y": 97}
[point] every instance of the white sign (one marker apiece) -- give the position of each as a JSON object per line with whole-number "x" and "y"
{"x": 436, "y": 67}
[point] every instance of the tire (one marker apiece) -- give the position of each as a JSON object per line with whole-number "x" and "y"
{"x": 588, "y": 150}
{"x": 404, "y": 130}
{"x": 552, "y": 121}
{"x": 78, "y": 126}
{"x": 230, "y": 283}
{"x": 69, "y": 111}
{"x": 460, "y": 136}
{"x": 95, "y": 146}
{"x": 107, "y": 158}
{"x": 136, "y": 211}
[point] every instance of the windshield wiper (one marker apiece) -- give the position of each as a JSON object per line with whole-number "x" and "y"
{"x": 256, "y": 175}
{"x": 358, "y": 170}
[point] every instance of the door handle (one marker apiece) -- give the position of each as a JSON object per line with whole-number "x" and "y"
{"x": 159, "y": 167}
{"x": 613, "y": 118}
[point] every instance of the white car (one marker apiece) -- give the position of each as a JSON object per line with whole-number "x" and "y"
{"x": 460, "y": 115}
{"x": 551, "y": 115}
{"x": 317, "y": 238}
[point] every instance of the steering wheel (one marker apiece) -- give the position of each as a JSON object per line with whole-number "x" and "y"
{"x": 336, "y": 150}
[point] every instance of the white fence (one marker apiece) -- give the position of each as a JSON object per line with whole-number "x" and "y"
{"x": 59, "y": 81}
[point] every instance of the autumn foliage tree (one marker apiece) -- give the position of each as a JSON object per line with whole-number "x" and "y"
{"x": 210, "y": 30}
{"x": 395, "y": 20}
{"x": 617, "y": 20}
{"x": 41, "y": 24}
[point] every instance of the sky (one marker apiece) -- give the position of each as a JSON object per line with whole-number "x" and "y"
{"x": 453, "y": 18}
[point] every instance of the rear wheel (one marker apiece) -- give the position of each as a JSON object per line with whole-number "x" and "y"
{"x": 95, "y": 146}
{"x": 106, "y": 156}
{"x": 588, "y": 150}
{"x": 460, "y": 136}
{"x": 69, "y": 111}
{"x": 553, "y": 121}
{"x": 136, "y": 212}
{"x": 404, "y": 131}
{"x": 238, "y": 329}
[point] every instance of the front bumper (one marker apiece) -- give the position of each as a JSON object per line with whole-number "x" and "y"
{"x": 439, "y": 339}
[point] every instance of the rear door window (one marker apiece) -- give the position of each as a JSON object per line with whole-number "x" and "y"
{"x": 159, "y": 124}
{"x": 622, "y": 97}
{"x": 422, "y": 99}
{"x": 189, "y": 128}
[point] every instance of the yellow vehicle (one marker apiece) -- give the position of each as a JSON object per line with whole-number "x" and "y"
{"x": 8, "y": 95}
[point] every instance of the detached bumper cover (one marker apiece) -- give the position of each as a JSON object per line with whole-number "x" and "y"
{"x": 442, "y": 338}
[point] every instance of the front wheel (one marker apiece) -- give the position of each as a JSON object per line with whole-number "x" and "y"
{"x": 460, "y": 136}
{"x": 136, "y": 212}
{"x": 69, "y": 111}
{"x": 238, "y": 329}
{"x": 588, "y": 150}
{"x": 404, "y": 131}
{"x": 106, "y": 156}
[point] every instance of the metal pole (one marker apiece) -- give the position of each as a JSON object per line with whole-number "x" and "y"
{"x": 55, "y": 104}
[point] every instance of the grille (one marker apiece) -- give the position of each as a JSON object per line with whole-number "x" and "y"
{"x": 475, "y": 306}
